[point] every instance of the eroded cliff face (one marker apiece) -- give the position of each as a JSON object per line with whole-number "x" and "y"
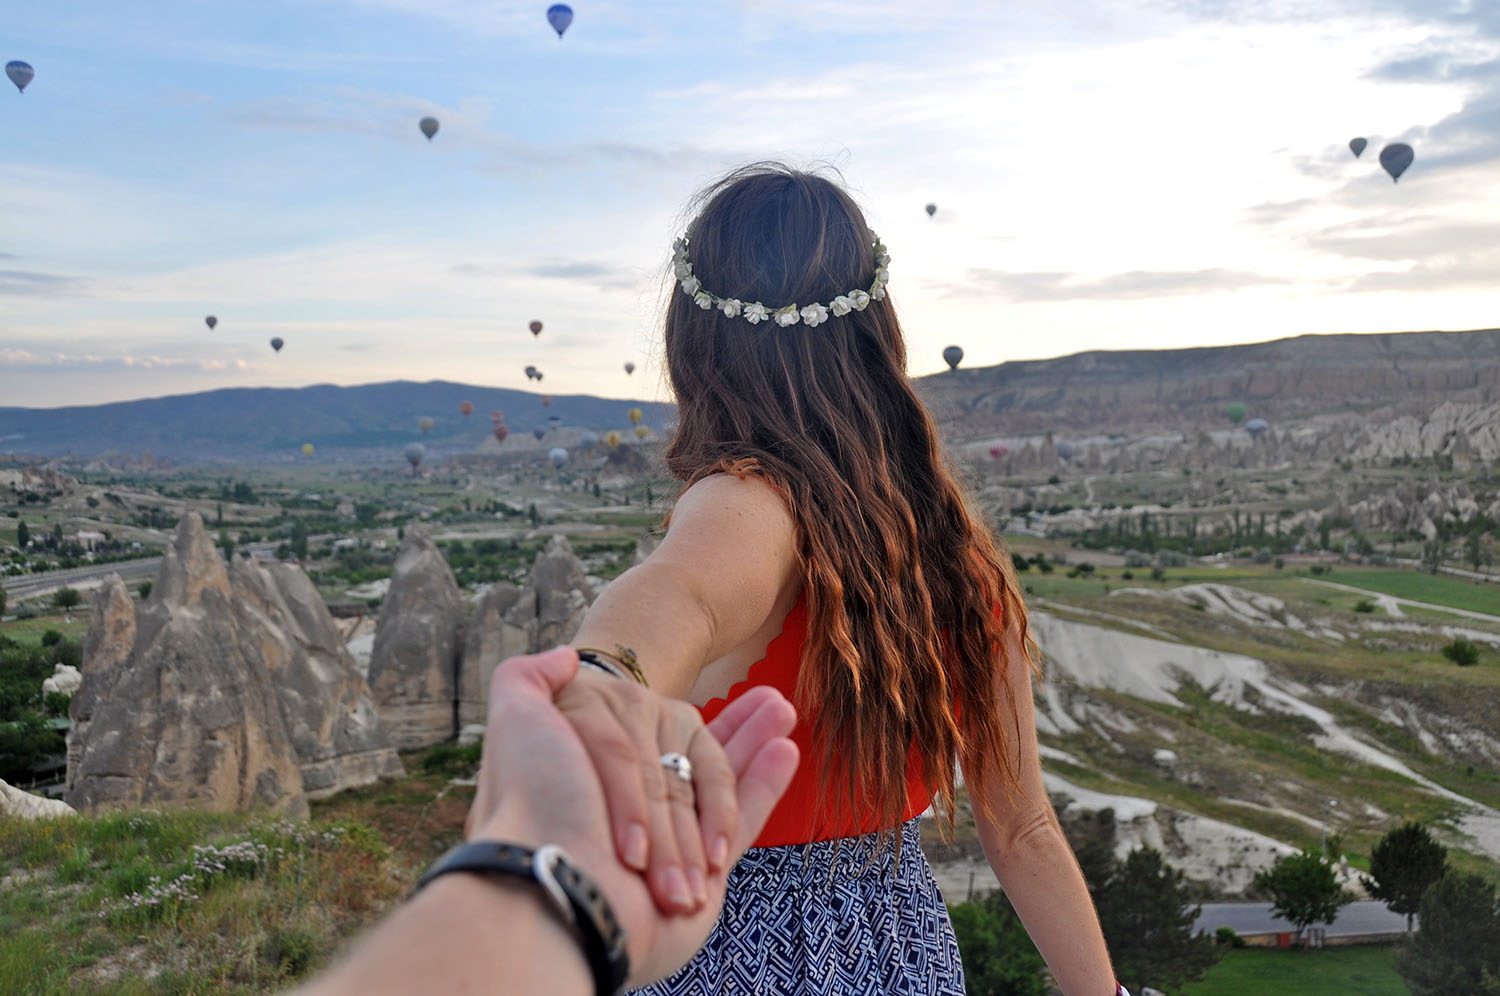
{"x": 418, "y": 646}
{"x": 229, "y": 689}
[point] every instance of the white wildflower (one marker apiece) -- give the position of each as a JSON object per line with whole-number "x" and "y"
{"x": 704, "y": 300}
{"x": 756, "y": 313}
{"x": 787, "y": 317}
{"x": 858, "y": 300}
{"x": 682, "y": 269}
{"x": 731, "y": 307}
{"x": 841, "y": 305}
{"x": 690, "y": 286}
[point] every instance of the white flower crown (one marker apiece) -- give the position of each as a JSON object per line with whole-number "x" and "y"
{"x": 755, "y": 312}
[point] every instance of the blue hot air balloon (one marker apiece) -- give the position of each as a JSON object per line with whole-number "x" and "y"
{"x": 1396, "y": 158}
{"x": 21, "y": 73}
{"x": 559, "y": 15}
{"x": 1357, "y": 146}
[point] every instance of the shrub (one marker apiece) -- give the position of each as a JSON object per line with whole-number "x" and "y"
{"x": 1134, "y": 558}
{"x": 66, "y": 598}
{"x": 1458, "y": 942}
{"x": 1228, "y": 937}
{"x": 1364, "y": 605}
{"x": 451, "y": 759}
{"x": 1127, "y": 575}
{"x": 51, "y": 637}
{"x": 1464, "y": 653}
{"x": 1158, "y": 574}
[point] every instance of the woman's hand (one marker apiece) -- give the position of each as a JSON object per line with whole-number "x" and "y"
{"x": 676, "y": 832}
{"x": 538, "y": 784}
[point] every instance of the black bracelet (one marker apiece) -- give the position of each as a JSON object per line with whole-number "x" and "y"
{"x": 580, "y": 903}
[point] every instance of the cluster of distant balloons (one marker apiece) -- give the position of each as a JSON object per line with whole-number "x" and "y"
{"x": 1395, "y": 158}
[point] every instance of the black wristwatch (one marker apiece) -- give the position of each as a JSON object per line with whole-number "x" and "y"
{"x": 580, "y": 902}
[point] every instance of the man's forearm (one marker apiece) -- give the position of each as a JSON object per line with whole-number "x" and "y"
{"x": 1041, "y": 878}
{"x": 464, "y": 934}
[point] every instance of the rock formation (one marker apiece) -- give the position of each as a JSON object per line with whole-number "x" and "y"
{"x": 192, "y": 715}
{"x": 15, "y": 804}
{"x": 329, "y": 712}
{"x": 418, "y": 645}
{"x": 111, "y": 634}
{"x": 510, "y": 620}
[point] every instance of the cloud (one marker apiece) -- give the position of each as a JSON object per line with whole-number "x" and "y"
{"x": 603, "y": 275}
{"x": 59, "y": 362}
{"x": 27, "y": 283}
{"x": 1058, "y": 286}
{"x": 1404, "y": 238}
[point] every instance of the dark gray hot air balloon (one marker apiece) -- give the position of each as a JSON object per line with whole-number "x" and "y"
{"x": 277, "y": 343}
{"x": 558, "y": 456}
{"x": 1357, "y": 146}
{"x": 630, "y": 368}
{"x": 1256, "y": 426}
{"x": 931, "y": 210}
{"x": 20, "y": 73}
{"x": 1396, "y": 157}
{"x": 953, "y": 356}
{"x": 429, "y": 127}
{"x": 211, "y": 321}
{"x": 415, "y": 453}
{"x": 588, "y": 440}
{"x": 1065, "y": 451}
{"x": 538, "y": 433}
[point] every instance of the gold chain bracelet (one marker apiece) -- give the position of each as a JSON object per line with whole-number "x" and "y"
{"x": 624, "y": 657}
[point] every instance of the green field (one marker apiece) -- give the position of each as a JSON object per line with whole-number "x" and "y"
{"x": 1352, "y": 971}
{"x": 1439, "y": 589}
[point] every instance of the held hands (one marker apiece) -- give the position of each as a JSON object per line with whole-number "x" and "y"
{"x": 564, "y": 751}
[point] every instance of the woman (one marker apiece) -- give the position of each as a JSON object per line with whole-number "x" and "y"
{"x": 820, "y": 545}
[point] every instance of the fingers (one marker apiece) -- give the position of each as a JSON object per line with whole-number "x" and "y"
{"x": 681, "y": 803}
{"x": 735, "y": 713}
{"x": 618, "y": 759}
{"x": 718, "y": 805}
{"x": 773, "y": 717}
{"x": 761, "y": 786}
{"x": 534, "y": 674}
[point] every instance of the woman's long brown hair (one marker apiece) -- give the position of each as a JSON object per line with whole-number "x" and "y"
{"x": 907, "y": 592}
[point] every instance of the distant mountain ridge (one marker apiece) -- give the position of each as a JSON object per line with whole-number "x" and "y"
{"x": 1381, "y": 375}
{"x": 253, "y": 424}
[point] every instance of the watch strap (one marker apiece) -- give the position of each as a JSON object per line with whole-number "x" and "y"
{"x": 580, "y": 903}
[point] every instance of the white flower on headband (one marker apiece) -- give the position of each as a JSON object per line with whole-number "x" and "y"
{"x": 814, "y": 315}
{"x": 755, "y": 312}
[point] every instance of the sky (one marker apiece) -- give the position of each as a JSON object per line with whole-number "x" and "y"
{"x": 1109, "y": 174}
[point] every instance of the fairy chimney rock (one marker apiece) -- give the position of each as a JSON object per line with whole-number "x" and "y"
{"x": 191, "y": 717}
{"x": 490, "y": 638}
{"x": 106, "y": 645}
{"x": 418, "y": 644}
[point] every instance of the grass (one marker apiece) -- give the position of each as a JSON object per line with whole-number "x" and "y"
{"x": 87, "y": 903}
{"x": 1439, "y": 589}
{"x": 29, "y": 631}
{"x": 1342, "y": 971}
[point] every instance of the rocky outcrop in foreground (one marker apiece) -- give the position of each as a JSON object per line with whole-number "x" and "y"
{"x": 227, "y": 690}
{"x": 511, "y": 620}
{"x": 418, "y": 645}
{"x": 18, "y": 805}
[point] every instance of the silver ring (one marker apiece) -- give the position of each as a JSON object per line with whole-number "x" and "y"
{"x": 679, "y": 765}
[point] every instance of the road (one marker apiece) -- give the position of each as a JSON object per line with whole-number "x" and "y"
{"x": 1364, "y": 917}
{"x": 27, "y": 586}
{"x": 1385, "y": 600}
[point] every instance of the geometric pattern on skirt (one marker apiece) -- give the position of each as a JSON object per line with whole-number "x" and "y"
{"x": 827, "y": 919}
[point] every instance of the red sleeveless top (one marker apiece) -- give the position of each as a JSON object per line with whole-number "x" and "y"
{"x": 795, "y": 818}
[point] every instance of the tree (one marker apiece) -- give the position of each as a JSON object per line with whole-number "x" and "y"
{"x": 23, "y": 534}
{"x": 1303, "y": 889}
{"x": 1474, "y": 551}
{"x": 1458, "y": 941}
{"x": 1434, "y": 553}
{"x": 66, "y": 598}
{"x": 299, "y": 539}
{"x": 1464, "y": 653}
{"x": 1405, "y": 862}
{"x": 1148, "y": 919}
{"x": 227, "y": 545}
{"x": 999, "y": 958}
{"x": 2, "y": 601}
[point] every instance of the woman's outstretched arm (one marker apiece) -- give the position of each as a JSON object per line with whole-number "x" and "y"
{"x": 1031, "y": 857}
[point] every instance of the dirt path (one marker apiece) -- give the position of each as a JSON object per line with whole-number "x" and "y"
{"x": 1392, "y": 604}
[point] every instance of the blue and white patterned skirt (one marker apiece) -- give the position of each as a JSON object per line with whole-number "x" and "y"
{"x": 826, "y": 920}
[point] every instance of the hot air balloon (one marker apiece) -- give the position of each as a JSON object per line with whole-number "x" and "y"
{"x": 953, "y": 356}
{"x": 277, "y": 343}
{"x": 307, "y": 449}
{"x": 531, "y": 373}
{"x": 553, "y": 420}
{"x": 466, "y": 408}
{"x": 630, "y": 368}
{"x": 559, "y": 15}
{"x": 588, "y": 440}
{"x": 1236, "y": 412}
{"x": 931, "y": 210}
{"x": 1396, "y": 158}
{"x": 539, "y": 376}
{"x": 425, "y": 424}
{"x": 1357, "y": 146}
{"x": 211, "y": 321}
{"x": 641, "y": 432}
{"x": 536, "y": 328}
{"x": 999, "y": 450}
{"x": 546, "y": 401}
{"x": 500, "y": 431}
{"x": 415, "y": 454}
{"x": 429, "y": 127}
{"x": 612, "y": 439}
{"x": 497, "y": 416}
{"x": 538, "y": 433}
{"x": 1256, "y": 426}
{"x": 20, "y": 74}
{"x": 558, "y": 456}
{"x": 1065, "y": 450}
{"x": 635, "y": 416}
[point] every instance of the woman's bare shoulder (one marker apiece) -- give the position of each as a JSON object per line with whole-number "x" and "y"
{"x": 751, "y": 499}
{"x": 726, "y": 527}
